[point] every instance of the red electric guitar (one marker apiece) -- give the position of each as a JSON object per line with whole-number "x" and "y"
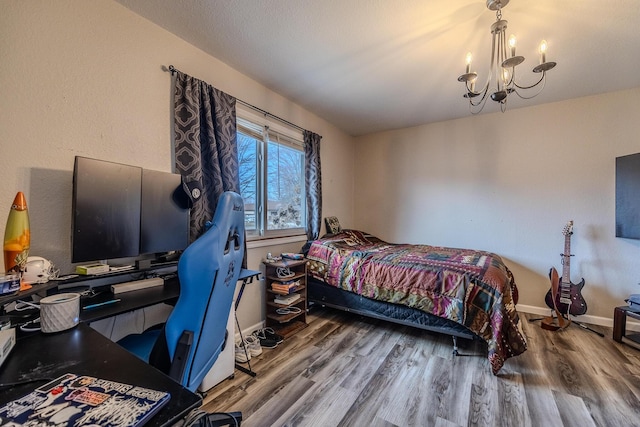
{"x": 568, "y": 298}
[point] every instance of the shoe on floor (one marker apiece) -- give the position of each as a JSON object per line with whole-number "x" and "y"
{"x": 243, "y": 354}
{"x": 270, "y": 333}
{"x": 268, "y": 338}
{"x": 263, "y": 340}
{"x": 253, "y": 344}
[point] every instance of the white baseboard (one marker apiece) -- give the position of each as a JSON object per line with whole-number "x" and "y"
{"x": 594, "y": 320}
{"x": 248, "y": 331}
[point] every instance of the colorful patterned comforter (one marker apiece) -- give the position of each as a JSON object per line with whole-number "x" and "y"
{"x": 472, "y": 288}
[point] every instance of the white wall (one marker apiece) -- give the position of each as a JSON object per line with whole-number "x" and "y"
{"x": 508, "y": 183}
{"x": 85, "y": 78}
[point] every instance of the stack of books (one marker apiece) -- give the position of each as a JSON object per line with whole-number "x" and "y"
{"x": 285, "y": 288}
{"x": 286, "y": 299}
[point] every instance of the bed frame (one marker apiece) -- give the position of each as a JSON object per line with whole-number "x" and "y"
{"x": 323, "y": 294}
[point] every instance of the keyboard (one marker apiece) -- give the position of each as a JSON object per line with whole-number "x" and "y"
{"x": 136, "y": 285}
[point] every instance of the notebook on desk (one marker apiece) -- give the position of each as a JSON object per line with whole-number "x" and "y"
{"x": 74, "y": 400}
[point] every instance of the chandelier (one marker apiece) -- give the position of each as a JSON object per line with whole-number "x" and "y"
{"x": 502, "y": 76}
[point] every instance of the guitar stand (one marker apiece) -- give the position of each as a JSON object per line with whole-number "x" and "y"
{"x": 582, "y": 325}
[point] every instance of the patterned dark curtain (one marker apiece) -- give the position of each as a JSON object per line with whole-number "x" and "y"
{"x": 205, "y": 146}
{"x": 313, "y": 184}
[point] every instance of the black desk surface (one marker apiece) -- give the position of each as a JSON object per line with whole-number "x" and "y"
{"x": 83, "y": 351}
{"x": 35, "y": 288}
{"x": 128, "y": 300}
{"x": 90, "y": 280}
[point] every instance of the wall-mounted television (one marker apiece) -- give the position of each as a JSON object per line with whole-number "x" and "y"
{"x": 628, "y": 196}
{"x": 124, "y": 211}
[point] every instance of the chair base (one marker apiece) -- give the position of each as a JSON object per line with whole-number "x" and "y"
{"x": 219, "y": 419}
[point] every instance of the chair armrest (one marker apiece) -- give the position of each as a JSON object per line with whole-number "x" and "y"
{"x": 180, "y": 356}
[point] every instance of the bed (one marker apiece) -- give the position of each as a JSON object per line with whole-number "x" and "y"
{"x": 459, "y": 292}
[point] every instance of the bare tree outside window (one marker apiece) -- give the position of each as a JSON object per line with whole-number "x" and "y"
{"x": 284, "y": 187}
{"x": 281, "y": 183}
{"x": 247, "y": 156}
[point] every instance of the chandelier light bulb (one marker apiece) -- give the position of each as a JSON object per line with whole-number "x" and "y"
{"x": 543, "y": 51}
{"x": 512, "y": 44}
{"x": 506, "y": 76}
{"x": 468, "y": 59}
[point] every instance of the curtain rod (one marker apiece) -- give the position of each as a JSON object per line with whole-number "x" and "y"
{"x": 174, "y": 70}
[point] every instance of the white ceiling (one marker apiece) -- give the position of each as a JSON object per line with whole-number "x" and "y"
{"x": 373, "y": 65}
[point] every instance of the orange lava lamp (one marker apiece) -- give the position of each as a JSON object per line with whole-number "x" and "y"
{"x": 17, "y": 237}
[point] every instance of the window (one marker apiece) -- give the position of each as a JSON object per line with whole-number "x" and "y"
{"x": 272, "y": 185}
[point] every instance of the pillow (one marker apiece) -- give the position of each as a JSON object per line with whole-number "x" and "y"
{"x": 332, "y": 224}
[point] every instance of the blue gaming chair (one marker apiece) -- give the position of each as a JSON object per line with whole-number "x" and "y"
{"x": 195, "y": 332}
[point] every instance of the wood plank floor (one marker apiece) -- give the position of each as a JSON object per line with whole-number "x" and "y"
{"x": 345, "y": 370}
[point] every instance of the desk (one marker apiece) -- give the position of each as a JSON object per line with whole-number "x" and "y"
{"x": 83, "y": 351}
{"x": 129, "y": 301}
{"x": 83, "y": 282}
{"x": 21, "y": 295}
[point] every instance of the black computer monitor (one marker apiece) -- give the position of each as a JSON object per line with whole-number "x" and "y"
{"x": 106, "y": 210}
{"x": 164, "y": 220}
